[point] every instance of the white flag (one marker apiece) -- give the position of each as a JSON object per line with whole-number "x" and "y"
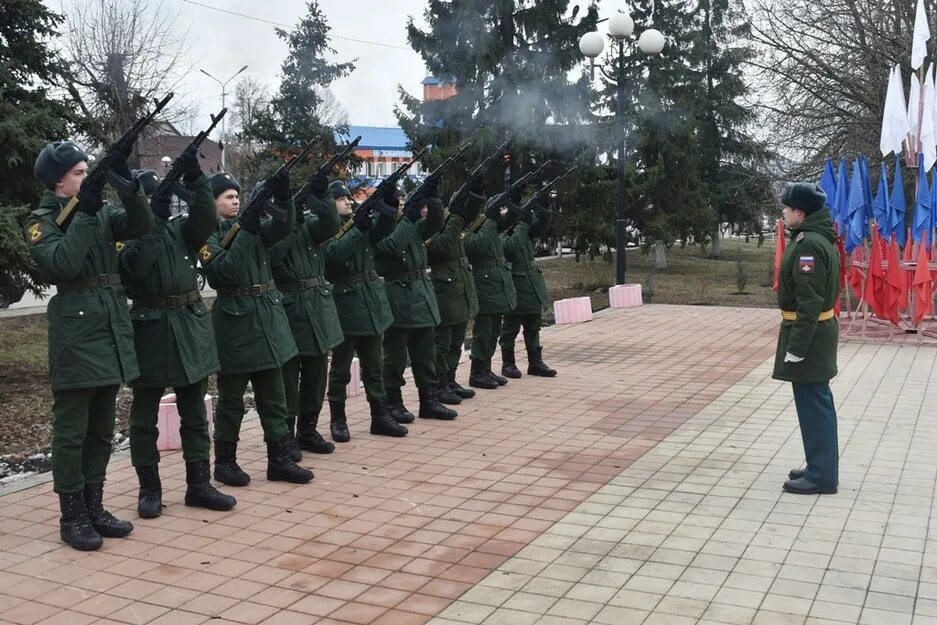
{"x": 921, "y": 35}
{"x": 895, "y": 118}
{"x": 914, "y": 107}
{"x": 928, "y": 131}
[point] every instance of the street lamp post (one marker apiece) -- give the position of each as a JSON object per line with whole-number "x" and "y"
{"x": 223, "y": 94}
{"x": 651, "y": 42}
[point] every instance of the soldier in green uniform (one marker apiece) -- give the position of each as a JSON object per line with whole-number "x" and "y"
{"x": 531, "y": 292}
{"x": 495, "y": 287}
{"x": 806, "y": 354}
{"x": 299, "y": 271}
{"x": 401, "y": 260}
{"x": 252, "y": 331}
{"x": 454, "y": 287}
{"x": 363, "y": 311}
{"x": 90, "y": 335}
{"x": 174, "y": 340}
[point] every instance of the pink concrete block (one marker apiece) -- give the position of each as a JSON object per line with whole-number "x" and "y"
{"x": 167, "y": 421}
{"x": 625, "y": 296}
{"x": 572, "y": 310}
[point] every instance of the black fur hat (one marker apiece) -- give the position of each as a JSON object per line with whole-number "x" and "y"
{"x": 221, "y": 182}
{"x": 55, "y": 160}
{"x": 805, "y": 196}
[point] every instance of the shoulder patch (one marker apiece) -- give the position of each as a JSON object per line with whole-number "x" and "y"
{"x": 33, "y": 232}
{"x": 806, "y": 264}
{"x": 801, "y": 236}
{"x": 119, "y": 245}
{"x": 204, "y": 253}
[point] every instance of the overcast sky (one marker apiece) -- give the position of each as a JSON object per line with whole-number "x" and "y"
{"x": 220, "y": 43}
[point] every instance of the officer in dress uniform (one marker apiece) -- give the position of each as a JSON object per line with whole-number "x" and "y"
{"x": 806, "y": 353}
{"x": 174, "y": 339}
{"x": 90, "y": 335}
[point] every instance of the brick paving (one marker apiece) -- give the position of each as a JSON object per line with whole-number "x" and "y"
{"x": 640, "y": 486}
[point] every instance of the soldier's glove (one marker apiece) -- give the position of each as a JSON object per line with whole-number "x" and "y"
{"x": 318, "y": 185}
{"x": 411, "y": 210}
{"x": 250, "y": 221}
{"x": 89, "y": 196}
{"x": 389, "y": 197}
{"x": 431, "y": 189}
{"x": 789, "y": 357}
{"x": 493, "y": 208}
{"x": 188, "y": 163}
{"x": 516, "y": 195}
{"x": 161, "y": 205}
{"x": 280, "y": 185}
{"x": 476, "y": 185}
{"x": 362, "y": 221}
{"x": 119, "y": 175}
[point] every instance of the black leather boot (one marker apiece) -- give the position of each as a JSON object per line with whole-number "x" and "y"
{"x": 291, "y": 444}
{"x": 536, "y": 366}
{"x": 75, "y": 526}
{"x": 339, "y": 423}
{"x": 395, "y": 408}
{"x": 444, "y": 392}
{"x": 227, "y": 470}
{"x": 200, "y": 493}
{"x": 458, "y": 389}
{"x": 381, "y": 422}
{"x": 431, "y": 408}
{"x": 104, "y": 523}
{"x": 508, "y": 366}
{"x": 479, "y": 378}
{"x": 282, "y": 468}
{"x": 308, "y": 436}
{"x": 150, "y": 496}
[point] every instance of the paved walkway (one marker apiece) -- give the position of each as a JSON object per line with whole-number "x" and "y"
{"x": 641, "y": 486}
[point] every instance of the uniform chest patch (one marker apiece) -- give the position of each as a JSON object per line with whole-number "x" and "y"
{"x": 807, "y": 264}
{"x": 34, "y": 233}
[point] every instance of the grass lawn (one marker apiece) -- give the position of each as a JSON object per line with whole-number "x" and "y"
{"x": 26, "y": 401}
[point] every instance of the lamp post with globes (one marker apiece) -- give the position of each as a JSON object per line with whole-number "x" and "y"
{"x": 651, "y": 42}
{"x": 223, "y": 94}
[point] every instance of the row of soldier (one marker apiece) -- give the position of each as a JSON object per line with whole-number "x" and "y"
{"x": 302, "y": 288}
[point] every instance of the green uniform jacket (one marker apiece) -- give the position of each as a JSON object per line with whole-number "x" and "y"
{"x": 451, "y": 273}
{"x": 312, "y": 313}
{"x": 809, "y": 285}
{"x": 362, "y": 304}
{"x": 401, "y": 260}
{"x": 528, "y": 278}
{"x": 90, "y": 334}
{"x": 175, "y": 346}
{"x": 493, "y": 281}
{"x": 252, "y": 333}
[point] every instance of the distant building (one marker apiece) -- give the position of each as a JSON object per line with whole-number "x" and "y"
{"x": 158, "y": 152}
{"x": 383, "y": 149}
{"x": 437, "y": 89}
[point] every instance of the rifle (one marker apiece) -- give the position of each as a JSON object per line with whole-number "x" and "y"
{"x": 522, "y": 183}
{"x": 118, "y": 148}
{"x": 529, "y": 204}
{"x": 326, "y": 168}
{"x": 170, "y": 184}
{"x": 263, "y": 194}
{"x": 436, "y": 175}
{"x": 374, "y": 200}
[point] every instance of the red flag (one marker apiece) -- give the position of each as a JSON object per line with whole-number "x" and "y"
{"x": 875, "y": 279}
{"x": 855, "y": 274}
{"x": 842, "y": 274}
{"x": 921, "y": 286}
{"x": 896, "y": 294}
{"x": 779, "y": 248}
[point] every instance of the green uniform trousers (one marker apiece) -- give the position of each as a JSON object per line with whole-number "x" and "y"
{"x": 419, "y": 344}
{"x": 82, "y": 430}
{"x": 512, "y": 323}
{"x": 304, "y": 382}
{"x": 193, "y": 423}
{"x": 485, "y": 333}
{"x": 817, "y": 415}
{"x": 369, "y": 350}
{"x": 449, "y": 340}
{"x": 268, "y": 397}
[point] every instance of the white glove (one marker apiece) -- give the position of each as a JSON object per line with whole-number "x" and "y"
{"x": 789, "y": 357}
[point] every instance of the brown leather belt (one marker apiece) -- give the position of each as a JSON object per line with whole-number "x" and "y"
{"x": 170, "y": 302}
{"x": 367, "y": 276}
{"x": 104, "y": 281}
{"x": 303, "y": 284}
{"x": 255, "y": 290}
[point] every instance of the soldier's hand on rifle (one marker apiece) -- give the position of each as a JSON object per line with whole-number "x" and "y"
{"x": 411, "y": 210}
{"x": 476, "y": 185}
{"x": 362, "y": 220}
{"x": 318, "y": 185}
{"x": 160, "y": 205}
{"x": 516, "y": 195}
{"x": 89, "y": 196}
{"x": 431, "y": 188}
{"x": 389, "y": 197}
{"x": 119, "y": 163}
{"x": 493, "y": 209}
{"x": 250, "y": 221}
{"x": 188, "y": 162}
{"x": 280, "y": 185}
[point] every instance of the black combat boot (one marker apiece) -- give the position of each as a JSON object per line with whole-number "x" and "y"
{"x": 381, "y": 422}
{"x": 500, "y": 380}
{"x": 431, "y": 408}
{"x": 339, "y": 423}
{"x": 75, "y": 525}
{"x": 227, "y": 470}
{"x": 150, "y": 497}
{"x": 199, "y": 492}
{"x": 104, "y": 523}
{"x": 395, "y": 408}
{"x": 282, "y": 468}
{"x": 508, "y": 366}
{"x": 479, "y": 378}
{"x": 445, "y": 393}
{"x": 292, "y": 445}
{"x": 535, "y": 364}
{"x": 308, "y": 436}
{"x": 458, "y": 389}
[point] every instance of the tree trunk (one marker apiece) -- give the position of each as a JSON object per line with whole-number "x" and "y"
{"x": 661, "y": 255}
{"x": 716, "y": 244}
